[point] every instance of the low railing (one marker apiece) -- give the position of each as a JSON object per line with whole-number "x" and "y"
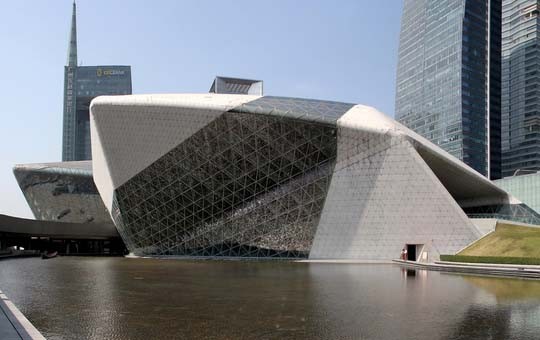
{"x": 522, "y": 219}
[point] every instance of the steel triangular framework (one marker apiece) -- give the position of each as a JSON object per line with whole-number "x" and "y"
{"x": 247, "y": 184}
{"x": 217, "y": 175}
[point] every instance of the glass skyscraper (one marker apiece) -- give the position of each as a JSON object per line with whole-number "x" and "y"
{"x": 520, "y": 86}
{"x": 81, "y": 85}
{"x": 448, "y": 78}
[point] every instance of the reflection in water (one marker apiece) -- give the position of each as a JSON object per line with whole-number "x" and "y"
{"x": 116, "y": 298}
{"x": 507, "y": 289}
{"x": 507, "y": 321}
{"x": 478, "y": 323}
{"x": 407, "y": 272}
{"x": 514, "y": 320}
{"x": 383, "y": 302}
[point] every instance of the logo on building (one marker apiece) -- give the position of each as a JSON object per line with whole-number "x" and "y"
{"x": 100, "y": 72}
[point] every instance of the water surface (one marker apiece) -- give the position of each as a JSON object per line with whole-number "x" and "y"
{"x": 118, "y": 298}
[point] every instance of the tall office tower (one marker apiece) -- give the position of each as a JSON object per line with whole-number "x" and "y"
{"x": 448, "y": 78}
{"x": 520, "y": 86}
{"x": 81, "y": 85}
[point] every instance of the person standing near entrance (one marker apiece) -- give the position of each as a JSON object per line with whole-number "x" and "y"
{"x": 402, "y": 254}
{"x": 405, "y": 254}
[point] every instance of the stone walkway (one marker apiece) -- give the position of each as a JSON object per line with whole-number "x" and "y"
{"x": 525, "y": 271}
{"x": 13, "y": 324}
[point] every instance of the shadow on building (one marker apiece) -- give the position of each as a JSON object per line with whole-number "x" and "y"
{"x": 66, "y": 238}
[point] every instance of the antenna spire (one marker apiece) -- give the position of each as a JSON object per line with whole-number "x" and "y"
{"x": 72, "y": 49}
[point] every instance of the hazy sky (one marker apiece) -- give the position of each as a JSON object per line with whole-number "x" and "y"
{"x": 335, "y": 49}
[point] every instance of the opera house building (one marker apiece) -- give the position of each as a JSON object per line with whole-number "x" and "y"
{"x": 231, "y": 175}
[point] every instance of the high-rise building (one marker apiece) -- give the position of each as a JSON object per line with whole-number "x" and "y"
{"x": 520, "y": 86}
{"x": 448, "y": 78}
{"x": 81, "y": 85}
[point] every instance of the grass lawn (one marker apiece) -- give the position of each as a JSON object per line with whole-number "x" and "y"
{"x": 507, "y": 241}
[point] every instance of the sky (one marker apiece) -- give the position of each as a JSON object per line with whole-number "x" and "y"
{"x": 342, "y": 50}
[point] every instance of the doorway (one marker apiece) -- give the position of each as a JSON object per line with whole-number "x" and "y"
{"x": 411, "y": 252}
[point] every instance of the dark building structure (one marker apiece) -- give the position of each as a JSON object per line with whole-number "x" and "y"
{"x": 230, "y": 85}
{"x": 62, "y": 192}
{"x": 64, "y": 237}
{"x": 81, "y": 85}
{"x": 448, "y": 78}
{"x": 520, "y": 87}
{"x": 70, "y": 215}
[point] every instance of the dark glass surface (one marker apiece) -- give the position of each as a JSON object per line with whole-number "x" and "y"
{"x": 308, "y": 110}
{"x": 495, "y": 113}
{"x": 475, "y": 81}
{"x": 62, "y": 194}
{"x": 520, "y": 87}
{"x": 117, "y": 298}
{"x": 511, "y": 212}
{"x": 247, "y": 184}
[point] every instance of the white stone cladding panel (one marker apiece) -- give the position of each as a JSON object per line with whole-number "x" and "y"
{"x": 366, "y": 118}
{"x": 129, "y": 133}
{"x": 100, "y": 171}
{"x": 484, "y": 225}
{"x": 383, "y": 196}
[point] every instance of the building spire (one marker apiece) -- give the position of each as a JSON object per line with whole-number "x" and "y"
{"x": 72, "y": 49}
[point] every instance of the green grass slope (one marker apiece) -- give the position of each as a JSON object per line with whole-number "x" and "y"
{"x": 507, "y": 241}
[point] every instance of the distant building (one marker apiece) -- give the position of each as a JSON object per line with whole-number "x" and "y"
{"x": 448, "y": 78}
{"x": 62, "y": 192}
{"x": 227, "y": 85}
{"x": 525, "y": 187}
{"x": 81, "y": 85}
{"x": 520, "y": 86}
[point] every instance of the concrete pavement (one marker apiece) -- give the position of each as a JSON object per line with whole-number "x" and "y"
{"x": 13, "y": 324}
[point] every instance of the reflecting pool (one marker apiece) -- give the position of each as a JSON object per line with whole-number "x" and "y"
{"x": 119, "y": 298}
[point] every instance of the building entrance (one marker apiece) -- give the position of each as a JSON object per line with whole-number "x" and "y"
{"x": 411, "y": 252}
